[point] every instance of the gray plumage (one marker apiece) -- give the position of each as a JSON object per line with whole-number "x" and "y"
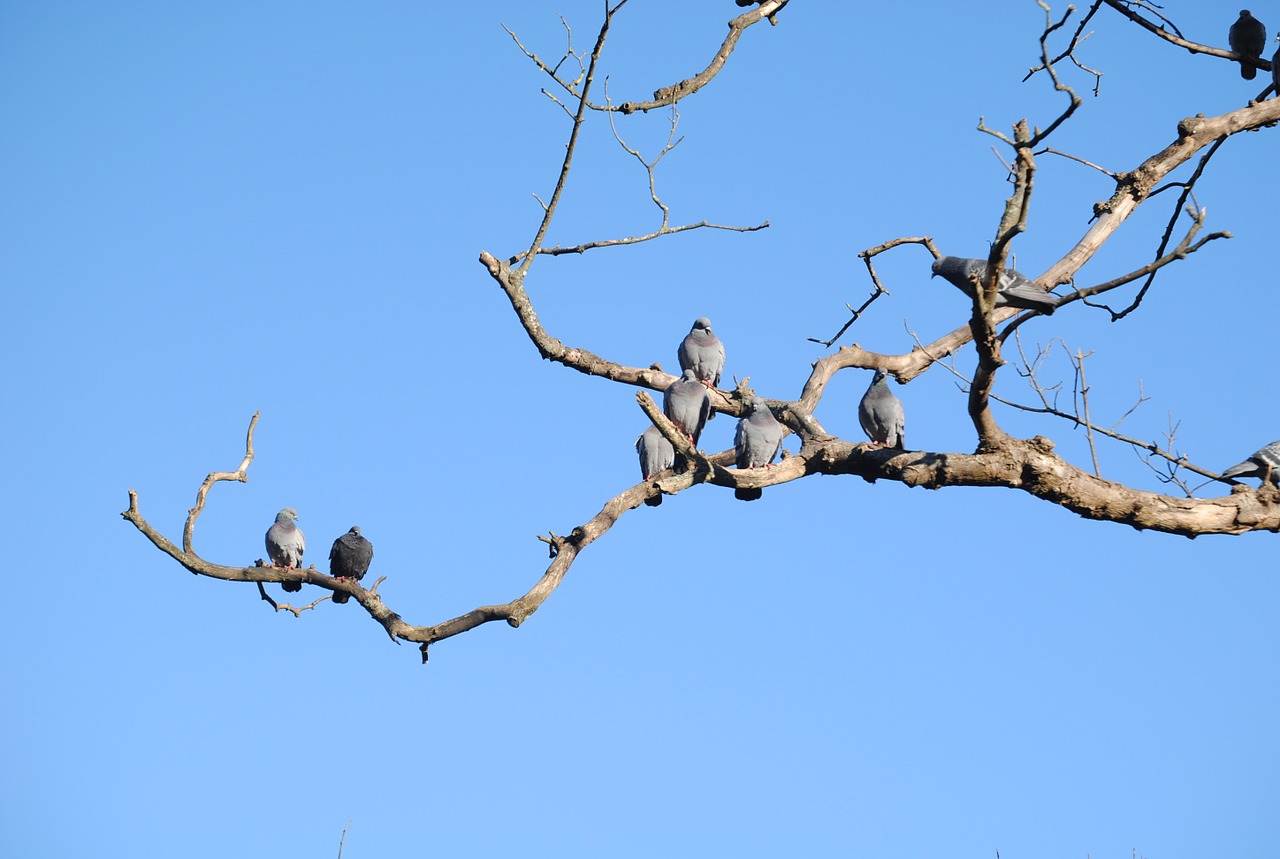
{"x": 1247, "y": 36}
{"x": 349, "y": 559}
{"x": 687, "y": 404}
{"x": 880, "y": 413}
{"x": 656, "y": 454}
{"x": 285, "y": 544}
{"x": 1013, "y": 289}
{"x": 756, "y": 443}
{"x": 1263, "y": 464}
{"x": 702, "y": 352}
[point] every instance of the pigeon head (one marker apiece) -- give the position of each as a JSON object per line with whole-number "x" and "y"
{"x": 355, "y": 529}
{"x": 690, "y": 376}
{"x": 880, "y": 375}
{"x": 758, "y": 405}
{"x": 702, "y": 323}
{"x": 287, "y": 516}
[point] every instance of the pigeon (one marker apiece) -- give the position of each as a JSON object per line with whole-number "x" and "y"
{"x": 1275, "y": 68}
{"x": 349, "y": 559}
{"x": 702, "y": 352}
{"x": 1247, "y": 36}
{"x": 687, "y": 404}
{"x": 1013, "y": 290}
{"x": 285, "y": 545}
{"x": 756, "y": 443}
{"x": 1263, "y": 464}
{"x": 880, "y": 413}
{"x": 656, "y": 454}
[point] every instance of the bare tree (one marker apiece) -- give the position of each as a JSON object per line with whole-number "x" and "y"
{"x": 998, "y": 460}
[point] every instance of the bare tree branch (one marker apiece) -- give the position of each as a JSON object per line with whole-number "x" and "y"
{"x": 1173, "y": 36}
{"x": 866, "y": 256}
{"x": 1030, "y": 466}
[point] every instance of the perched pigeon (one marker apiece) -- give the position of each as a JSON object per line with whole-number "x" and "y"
{"x": 1247, "y": 36}
{"x": 702, "y": 352}
{"x": 656, "y": 454}
{"x": 1263, "y": 464}
{"x": 1275, "y": 68}
{"x": 757, "y": 442}
{"x": 285, "y": 544}
{"x": 1013, "y": 290}
{"x": 880, "y": 413}
{"x": 687, "y": 404}
{"x": 349, "y": 559}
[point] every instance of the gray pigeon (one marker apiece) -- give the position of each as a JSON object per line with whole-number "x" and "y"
{"x": 285, "y": 544}
{"x": 1263, "y": 464}
{"x": 1247, "y": 36}
{"x": 656, "y": 454}
{"x": 1013, "y": 290}
{"x": 756, "y": 443}
{"x": 687, "y": 404}
{"x": 349, "y": 559}
{"x": 702, "y": 352}
{"x": 880, "y": 413}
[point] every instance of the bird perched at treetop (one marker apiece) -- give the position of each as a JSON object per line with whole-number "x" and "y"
{"x": 756, "y": 443}
{"x": 702, "y": 352}
{"x": 880, "y": 413}
{"x": 349, "y": 559}
{"x": 1247, "y": 36}
{"x": 1012, "y": 290}
{"x": 285, "y": 544}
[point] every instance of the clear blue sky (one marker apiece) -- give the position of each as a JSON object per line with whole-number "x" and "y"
{"x": 210, "y": 210}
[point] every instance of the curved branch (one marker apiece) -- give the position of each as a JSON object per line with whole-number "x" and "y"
{"x": 669, "y": 95}
{"x": 240, "y": 475}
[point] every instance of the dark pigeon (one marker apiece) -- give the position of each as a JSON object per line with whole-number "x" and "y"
{"x": 349, "y": 559}
{"x": 881, "y": 415}
{"x": 1275, "y": 68}
{"x": 285, "y": 545}
{"x": 702, "y": 352}
{"x": 1263, "y": 464}
{"x": 687, "y": 404}
{"x": 756, "y": 443}
{"x": 1013, "y": 290}
{"x": 1247, "y": 36}
{"x": 656, "y": 454}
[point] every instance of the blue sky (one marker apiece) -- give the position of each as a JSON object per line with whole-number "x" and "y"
{"x": 207, "y": 211}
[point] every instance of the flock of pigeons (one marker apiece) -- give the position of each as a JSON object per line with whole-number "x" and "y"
{"x": 348, "y": 559}
{"x": 758, "y": 438}
{"x": 1248, "y": 36}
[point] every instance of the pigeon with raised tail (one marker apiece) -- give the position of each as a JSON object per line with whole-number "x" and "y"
{"x": 1263, "y": 464}
{"x": 1012, "y": 290}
